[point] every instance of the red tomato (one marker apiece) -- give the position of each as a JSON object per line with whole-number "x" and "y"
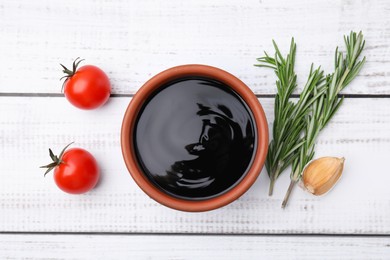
{"x": 87, "y": 87}
{"x": 75, "y": 171}
{"x": 78, "y": 173}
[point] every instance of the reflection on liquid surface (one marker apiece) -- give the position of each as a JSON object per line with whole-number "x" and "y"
{"x": 195, "y": 138}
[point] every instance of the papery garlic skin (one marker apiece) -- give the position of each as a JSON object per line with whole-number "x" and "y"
{"x": 320, "y": 175}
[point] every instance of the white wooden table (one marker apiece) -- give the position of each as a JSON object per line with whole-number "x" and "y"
{"x": 133, "y": 40}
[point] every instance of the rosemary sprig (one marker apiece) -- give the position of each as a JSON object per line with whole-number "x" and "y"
{"x": 290, "y": 117}
{"x": 324, "y": 108}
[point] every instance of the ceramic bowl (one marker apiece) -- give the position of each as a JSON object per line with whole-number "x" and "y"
{"x": 153, "y": 85}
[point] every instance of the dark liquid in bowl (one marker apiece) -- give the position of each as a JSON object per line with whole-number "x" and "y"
{"x": 195, "y": 138}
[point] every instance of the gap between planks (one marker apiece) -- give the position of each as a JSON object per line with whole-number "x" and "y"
{"x": 132, "y": 95}
{"x": 194, "y": 234}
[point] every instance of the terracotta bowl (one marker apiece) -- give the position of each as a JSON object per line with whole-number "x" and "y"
{"x": 154, "y": 84}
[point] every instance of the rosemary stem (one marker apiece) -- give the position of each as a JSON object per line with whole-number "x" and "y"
{"x": 271, "y": 186}
{"x": 287, "y": 196}
{"x": 273, "y": 178}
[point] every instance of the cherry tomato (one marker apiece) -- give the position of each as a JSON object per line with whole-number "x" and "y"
{"x": 87, "y": 87}
{"x": 75, "y": 170}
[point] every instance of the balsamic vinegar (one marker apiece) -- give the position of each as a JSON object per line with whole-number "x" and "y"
{"x": 195, "y": 138}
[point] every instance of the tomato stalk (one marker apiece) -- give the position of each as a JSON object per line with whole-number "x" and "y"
{"x": 57, "y": 160}
{"x": 69, "y": 73}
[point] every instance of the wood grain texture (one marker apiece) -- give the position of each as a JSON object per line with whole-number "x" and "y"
{"x": 191, "y": 247}
{"x": 359, "y": 204}
{"x": 133, "y": 40}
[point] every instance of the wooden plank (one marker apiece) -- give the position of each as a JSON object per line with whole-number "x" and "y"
{"x": 133, "y": 40}
{"x": 360, "y": 203}
{"x": 191, "y": 247}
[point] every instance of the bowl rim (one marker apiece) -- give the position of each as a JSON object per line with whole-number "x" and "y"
{"x": 161, "y": 79}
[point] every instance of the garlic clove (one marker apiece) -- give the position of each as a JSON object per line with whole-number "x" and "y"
{"x": 320, "y": 175}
